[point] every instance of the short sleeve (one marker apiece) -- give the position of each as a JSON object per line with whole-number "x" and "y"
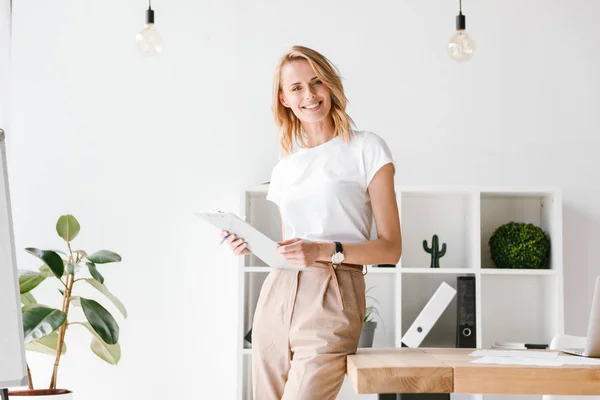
{"x": 376, "y": 154}
{"x": 274, "y": 189}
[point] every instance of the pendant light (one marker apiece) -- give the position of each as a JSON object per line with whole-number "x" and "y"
{"x": 148, "y": 41}
{"x": 461, "y": 47}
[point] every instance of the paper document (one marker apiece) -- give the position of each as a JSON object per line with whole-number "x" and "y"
{"x": 552, "y": 362}
{"x": 258, "y": 243}
{"x": 555, "y": 362}
{"x": 575, "y": 360}
{"x": 515, "y": 353}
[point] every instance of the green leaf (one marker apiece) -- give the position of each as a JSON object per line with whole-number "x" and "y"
{"x": 67, "y": 227}
{"x": 61, "y": 291}
{"x": 31, "y": 306}
{"x": 368, "y": 312}
{"x": 104, "y": 290}
{"x": 111, "y": 353}
{"x": 101, "y": 320}
{"x": 46, "y": 345}
{"x": 28, "y": 280}
{"x": 51, "y": 259}
{"x": 41, "y": 321}
{"x": 28, "y": 299}
{"x": 103, "y": 257}
{"x": 72, "y": 268}
{"x": 46, "y": 271}
{"x": 59, "y": 252}
{"x": 374, "y": 299}
{"x": 94, "y": 272}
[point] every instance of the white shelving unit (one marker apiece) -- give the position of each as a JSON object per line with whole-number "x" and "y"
{"x": 513, "y": 305}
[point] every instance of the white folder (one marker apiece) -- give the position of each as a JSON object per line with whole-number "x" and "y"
{"x": 429, "y": 315}
{"x": 258, "y": 243}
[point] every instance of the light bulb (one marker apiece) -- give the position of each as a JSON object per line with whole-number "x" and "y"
{"x": 148, "y": 41}
{"x": 461, "y": 47}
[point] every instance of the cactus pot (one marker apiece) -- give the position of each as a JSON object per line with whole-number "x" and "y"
{"x": 42, "y": 394}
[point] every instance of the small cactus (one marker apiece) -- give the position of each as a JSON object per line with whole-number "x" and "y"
{"x": 435, "y": 252}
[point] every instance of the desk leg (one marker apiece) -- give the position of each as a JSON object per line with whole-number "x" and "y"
{"x": 3, "y": 394}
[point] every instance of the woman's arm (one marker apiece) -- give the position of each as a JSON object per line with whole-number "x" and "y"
{"x": 387, "y": 248}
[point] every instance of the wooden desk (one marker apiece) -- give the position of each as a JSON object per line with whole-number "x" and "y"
{"x": 432, "y": 370}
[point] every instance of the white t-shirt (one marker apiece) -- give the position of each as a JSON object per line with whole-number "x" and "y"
{"x": 322, "y": 191}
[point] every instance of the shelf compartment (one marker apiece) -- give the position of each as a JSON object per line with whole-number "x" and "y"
{"x": 252, "y": 284}
{"x": 416, "y": 293}
{"x": 264, "y": 216}
{"x": 536, "y": 207}
{"x": 519, "y": 309}
{"x": 452, "y": 216}
{"x": 383, "y": 289}
{"x": 247, "y": 376}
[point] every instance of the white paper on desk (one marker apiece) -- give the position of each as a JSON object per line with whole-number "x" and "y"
{"x": 574, "y": 360}
{"x": 553, "y": 362}
{"x": 515, "y": 353}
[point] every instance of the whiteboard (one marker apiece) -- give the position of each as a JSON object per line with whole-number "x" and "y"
{"x": 13, "y": 370}
{"x": 13, "y": 367}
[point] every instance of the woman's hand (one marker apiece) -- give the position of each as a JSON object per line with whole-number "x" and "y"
{"x": 237, "y": 245}
{"x": 300, "y": 252}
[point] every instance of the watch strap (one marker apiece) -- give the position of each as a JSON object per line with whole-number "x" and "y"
{"x": 338, "y": 247}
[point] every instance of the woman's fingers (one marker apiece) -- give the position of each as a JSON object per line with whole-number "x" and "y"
{"x": 231, "y": 238}
{"x": 238, "y": 245}
{"x": 235, "y": 243}
{"x": 241, "y": 249}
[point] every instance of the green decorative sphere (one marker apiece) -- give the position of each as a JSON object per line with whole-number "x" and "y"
{"x": 520, "y": 245}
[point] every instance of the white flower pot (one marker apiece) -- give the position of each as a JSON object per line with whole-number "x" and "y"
{"x": 42, "y": 394}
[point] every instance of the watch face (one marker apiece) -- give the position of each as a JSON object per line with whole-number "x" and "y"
{"x": 337, "y": 258}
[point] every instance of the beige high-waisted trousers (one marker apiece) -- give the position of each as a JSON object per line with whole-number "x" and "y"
{"x": 305, "y": 324}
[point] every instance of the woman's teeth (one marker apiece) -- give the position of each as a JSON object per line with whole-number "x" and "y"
{"x": 312, "y": 107}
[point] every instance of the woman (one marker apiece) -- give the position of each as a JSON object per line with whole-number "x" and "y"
{"x": 329, "y": 185}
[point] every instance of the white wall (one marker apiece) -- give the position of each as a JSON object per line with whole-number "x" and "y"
{"x": 132, "y": 146}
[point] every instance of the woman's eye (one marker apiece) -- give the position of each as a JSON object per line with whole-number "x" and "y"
{"x": 317, "y": 82}
{"x": 294, "y": 88}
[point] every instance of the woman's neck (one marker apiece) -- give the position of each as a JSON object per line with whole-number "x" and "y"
{"x": 318, "y": 133}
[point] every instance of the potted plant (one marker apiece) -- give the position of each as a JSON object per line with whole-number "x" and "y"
{"x": 45, "y": 327}
{"x": 368, "y": 330}
{"x": 520, "y": 245}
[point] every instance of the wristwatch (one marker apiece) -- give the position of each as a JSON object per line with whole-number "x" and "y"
{"x": 338, "y": 256}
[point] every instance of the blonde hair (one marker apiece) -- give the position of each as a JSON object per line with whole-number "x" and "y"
{"x": 289, "y": 125}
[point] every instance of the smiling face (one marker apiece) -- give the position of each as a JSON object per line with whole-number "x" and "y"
{"x": 304, "y": 93}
